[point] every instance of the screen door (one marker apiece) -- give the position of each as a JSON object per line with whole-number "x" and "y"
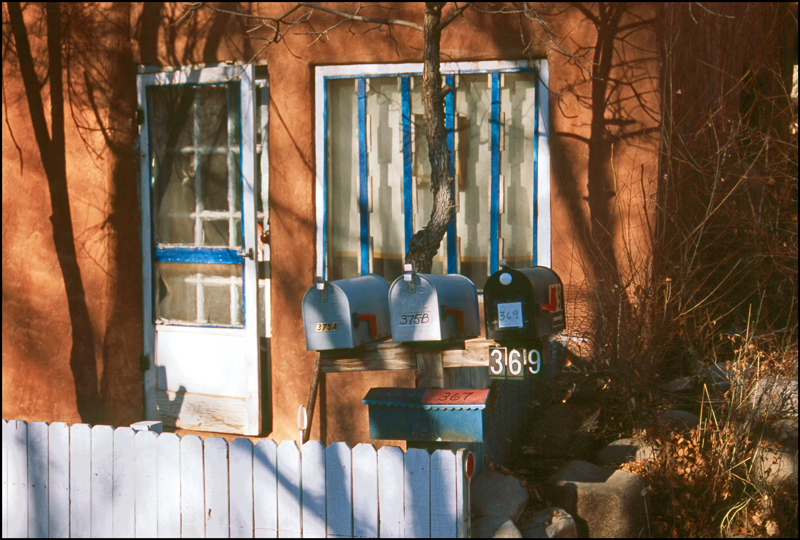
{"x": 199, "y": 235}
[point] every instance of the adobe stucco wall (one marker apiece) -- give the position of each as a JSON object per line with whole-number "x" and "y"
{"x": 38, "y": 381}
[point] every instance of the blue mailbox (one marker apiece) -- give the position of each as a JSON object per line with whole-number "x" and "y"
{"x": 427, "y": 414}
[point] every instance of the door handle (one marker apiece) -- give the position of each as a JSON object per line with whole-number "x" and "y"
{"x": 248, "y": 253}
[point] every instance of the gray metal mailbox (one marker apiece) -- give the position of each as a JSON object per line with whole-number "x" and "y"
{"x": 523, "y": 304}
{"x": 346, "y": 313}
{"x": 428, "y": 307}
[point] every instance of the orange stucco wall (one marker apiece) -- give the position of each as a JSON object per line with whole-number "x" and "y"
{"x": 40, "y": 382}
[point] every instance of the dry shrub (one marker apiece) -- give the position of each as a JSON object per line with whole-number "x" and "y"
{"x": 701, "y": 482}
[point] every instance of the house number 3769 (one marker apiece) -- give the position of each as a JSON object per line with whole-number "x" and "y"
{"x": 506, "y": 363}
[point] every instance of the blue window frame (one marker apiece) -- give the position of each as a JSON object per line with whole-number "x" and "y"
{"x": 372, "y": 158}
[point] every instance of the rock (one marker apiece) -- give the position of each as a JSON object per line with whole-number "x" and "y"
{"x": 549, "y": 523}
{"x": 719, "y": 375}
{"x": 603, "y": 503}
{"x": 495, "y": 494}
{"x": 495, "y": 527}
{"x": 561, "y": 433}
{"x": 775, "y": 398}
{"x": 625, "y": 450}
{"x": 678, "y": 385}
{"x": 774, "y": 467}
{"x": 680, "y": 420}
{"x": 148, "y": 425}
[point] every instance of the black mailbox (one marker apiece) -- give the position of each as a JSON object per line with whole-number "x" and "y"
{"x": 523, "y": 305}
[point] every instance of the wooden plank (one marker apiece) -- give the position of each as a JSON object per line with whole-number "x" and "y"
{"x": 390, "y": 491}
{"x": 339, "y": 487}
{"x": 4, "y": 502}
{"x": 145, "y": 474}
{"x": 124, "y": 519}
{"x": 475, "y": 354}
{"x": 102, "y": 481}
{"x": 38, "y": 526}
{"x": 313, "y": 469}
{"x": 241, "y": 488}
{"x": 417, "y": 493}
{"x": 289, "y": 470}
{"x": 200, "y": 412}
{"x": 265, "y": 488}
{"x": 429, "y": 370}
{"x": 193, "y": 523}
{"x": 216, "y": 482}
{"x": 18, "y": 479}
{"x": 365, "y": 491}
{"x": 80, "y": 481}
{"x": 443, "y": 499}
{"x": 168, "y": 465}
{"x": 372, "y": 357}
{"x": 58, "y": 478}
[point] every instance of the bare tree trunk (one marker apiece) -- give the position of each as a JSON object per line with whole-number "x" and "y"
{"x": 425, "y": 243}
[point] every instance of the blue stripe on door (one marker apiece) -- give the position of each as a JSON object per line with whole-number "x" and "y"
{"x": 408, "y": 210}
{"x": 449, "y": 124}
{"x": 494, "y": 210}
{"x": 363, "y": 203}
{"x": 192, "y": 254}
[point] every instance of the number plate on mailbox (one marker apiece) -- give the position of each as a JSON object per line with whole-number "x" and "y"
{"x": 512, "y": 363}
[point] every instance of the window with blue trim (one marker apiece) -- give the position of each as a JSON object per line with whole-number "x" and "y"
{"x": 376, "y": 176}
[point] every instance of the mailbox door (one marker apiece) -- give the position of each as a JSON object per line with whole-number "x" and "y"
{"x": 327, "y": 319}
{"x": 510, "y": 307}
{"x": 414, "y": 311}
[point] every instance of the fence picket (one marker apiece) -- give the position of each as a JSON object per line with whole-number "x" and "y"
{"x": 365, "y": 491}
{"x": 168, "y": 451}
{"x": 80, "y": 481}
{"x": 289, "y": 470}
{"x": 146, "y": 483}
{"x": 241, "y": 488}
{"x": 4, "y": 501}
{"x": 124, "y": 520}
{"x": 216, "y": 477}
{"x": 443, "y": 498}
{"x": 102, "y": 481}
{"x": 339, "y": 487}
{"x": 18, "y": 478}
{"x": 463, "y": 515}
{"x": 193, "y": 524}
{"x": 61, "y": 480}
{"x": 391, "y": 493}
{"x": 265, "y": 489}
{"x": 313, "y": 464}
{"x": 37, "y": 480}
{"x": 417, "y": 493}
{"x": 58, "y": 478}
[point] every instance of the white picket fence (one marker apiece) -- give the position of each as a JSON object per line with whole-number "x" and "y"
{"x": 97, "y": 481}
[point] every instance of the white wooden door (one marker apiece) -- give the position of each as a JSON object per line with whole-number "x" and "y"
{"x": 199, "y": 199}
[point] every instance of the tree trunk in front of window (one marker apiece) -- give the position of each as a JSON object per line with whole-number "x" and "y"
{"x": 425, "y": 243}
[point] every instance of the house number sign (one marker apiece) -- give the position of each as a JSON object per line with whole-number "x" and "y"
{"x": 512, "y": 363}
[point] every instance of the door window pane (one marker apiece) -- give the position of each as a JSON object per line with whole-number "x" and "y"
{"x": 199, "y": 293}
{"x": 194, "y": 134}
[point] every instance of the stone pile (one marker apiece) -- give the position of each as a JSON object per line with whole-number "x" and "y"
{"x": 594, "y": 499}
